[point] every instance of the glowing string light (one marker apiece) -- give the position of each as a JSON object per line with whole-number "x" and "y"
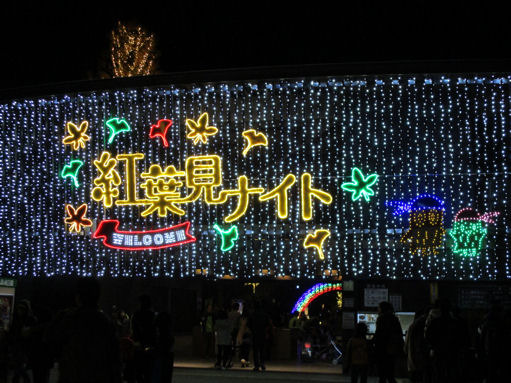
{"x": 71, "y": 171}
{"x": 344, "y": 118}
{"x": 253, "y": 138}
{"x": 132, "y": 51}
{"x": 77, "y": 136}
{"x": 117, "y": 126}
{"x": 426, "y": 230}
{"x": 361, "y": 186}
{"x": 130, "y": 186}
{"x": 316, "y": 241}
{"x": 421, "y": 202}
{"x": 243, "y": 192}
{"x": 314, "y": 292}
{"x": 76, "y": 218}
{"x": 199, "y": 130}
{"x": 161, "y": 190}
{"x": 229, "y": 237}
{"x": 307, "y": 193}
{"x": 160, "y": 130}
{"x": 280, "y": 193}
{"x": 107, "y": 181}
{"x": 339, "y": 299}
{"x": 203, "y": 174}
{"x": 142, "y": 240}
{"x": 468, "y": 231}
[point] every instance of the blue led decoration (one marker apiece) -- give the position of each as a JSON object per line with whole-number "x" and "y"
{"x": 421, "y": 202}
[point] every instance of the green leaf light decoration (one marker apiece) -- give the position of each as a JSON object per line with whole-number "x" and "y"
{"x": 361, "y": 186}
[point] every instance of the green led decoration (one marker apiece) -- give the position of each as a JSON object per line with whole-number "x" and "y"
{"x": 116, "y": 126}
{"x": 361, "y": 186}
{"x": 468, "y": 237}
{"x": 71, "y": 170}
{"x": 229, "y": 237}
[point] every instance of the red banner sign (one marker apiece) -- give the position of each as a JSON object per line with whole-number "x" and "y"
{"x": 142, "y": 240}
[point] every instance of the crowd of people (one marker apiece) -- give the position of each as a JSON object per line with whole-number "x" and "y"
{"x": 235, "y": 332}
{"x": 87, "y": 345}
{"x": 438, "y": 347}
{"x": 238, "y": 330}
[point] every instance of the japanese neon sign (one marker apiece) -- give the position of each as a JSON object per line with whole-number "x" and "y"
{"x": 202, "y": 176}
{"x": 165, "y": 190}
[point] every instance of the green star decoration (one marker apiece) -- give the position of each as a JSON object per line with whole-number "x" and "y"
{"x": 72, "y": 170}
{"x": 116, "y": 126}
{"x": 361, "y": 186}
{"x": 229, "y": 237}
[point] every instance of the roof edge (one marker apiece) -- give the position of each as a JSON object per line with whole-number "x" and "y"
{"x": 262, "y": 73}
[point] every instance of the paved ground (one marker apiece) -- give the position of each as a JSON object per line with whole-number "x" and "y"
{"x": 317, "y": 367}
{"x": 195, "y": 375}
{"x": 202, "y": 371}
{"x": 198, "y": 375}
{"x": 197, "y": 371}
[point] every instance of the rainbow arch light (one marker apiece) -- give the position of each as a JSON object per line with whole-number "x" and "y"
{"x": 314, "y": 292}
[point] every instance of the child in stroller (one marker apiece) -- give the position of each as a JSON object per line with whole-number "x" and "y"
{"x": 320, "y": 344}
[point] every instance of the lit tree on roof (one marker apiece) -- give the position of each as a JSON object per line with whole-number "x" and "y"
{"x": 132, "y": 51}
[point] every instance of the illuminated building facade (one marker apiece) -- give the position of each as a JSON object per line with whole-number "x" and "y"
{"x": 355, "y": 176}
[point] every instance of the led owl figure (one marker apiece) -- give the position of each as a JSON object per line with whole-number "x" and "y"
{"x": 468, "y": 231}
{"x": 426, "y": 230}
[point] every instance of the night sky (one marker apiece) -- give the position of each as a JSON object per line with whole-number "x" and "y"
{"x": 45, "y": 44}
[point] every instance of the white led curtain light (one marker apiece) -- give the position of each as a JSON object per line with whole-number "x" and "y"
{"x": 364, "y": 176}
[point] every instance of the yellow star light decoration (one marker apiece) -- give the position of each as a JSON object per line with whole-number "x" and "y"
{"x": 199, "y": 130}
{"x": 77, "y": 137}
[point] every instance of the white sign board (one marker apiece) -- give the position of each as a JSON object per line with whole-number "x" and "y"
{"x": 373, "y": 296}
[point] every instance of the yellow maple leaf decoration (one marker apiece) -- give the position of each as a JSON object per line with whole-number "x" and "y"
{"x": 199, "y": 130}
{"x": 77, "y": 137}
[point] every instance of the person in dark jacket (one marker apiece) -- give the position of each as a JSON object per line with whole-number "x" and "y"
{"x": 19, "y": 340}
{"x": 463, "y": 364}
{"x": 223, "y": 329}
{"x": 143, "y": 334}
{"x": 163, "y": 349}
{"x": 416, "y": 348}
{"x": 357, "y": 355}
{"x": 258, "y": 323}
{"x": 388, "y": 342}
{"x": 442, "y": 334}
{"x": 495, "y": 339}
{"x": 235, "y": 319}
{"x": 39, "y": 359}
{"x": 208, "y": 331}
{"x": 84, "y": 340}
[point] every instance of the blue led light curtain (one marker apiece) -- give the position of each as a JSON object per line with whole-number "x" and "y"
{"x": 446, "y": 136}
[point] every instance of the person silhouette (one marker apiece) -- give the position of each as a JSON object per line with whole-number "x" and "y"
{"x": 388, "y": 342}
{"x": 84, "y": 339}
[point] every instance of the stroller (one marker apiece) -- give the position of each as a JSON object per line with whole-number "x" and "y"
{"x": 325, "y": 348}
